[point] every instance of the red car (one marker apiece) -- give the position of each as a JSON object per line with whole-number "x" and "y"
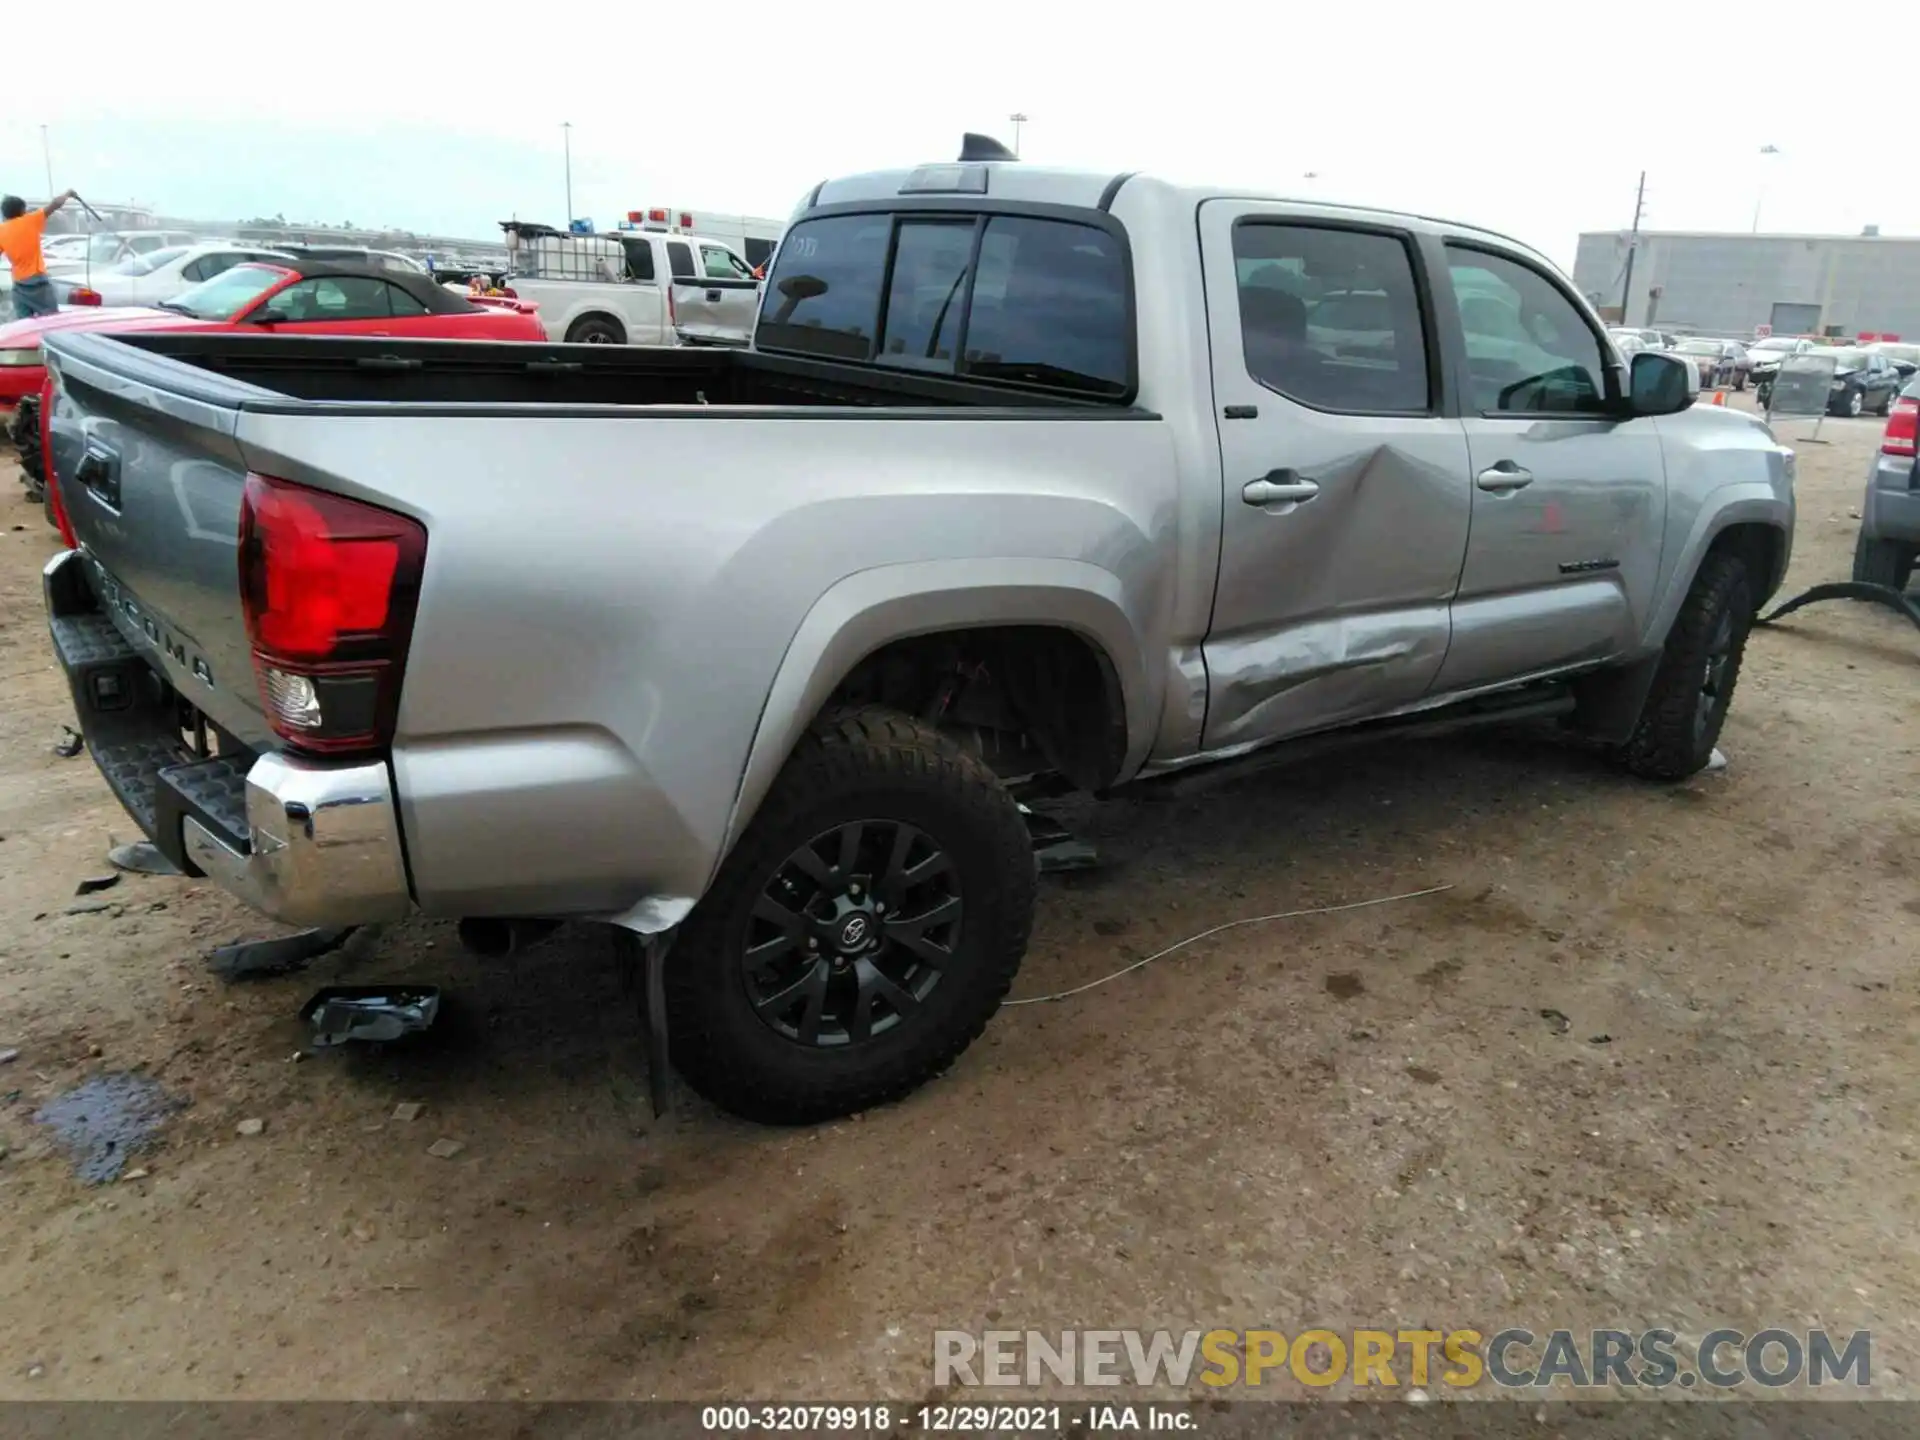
{"x": 301, "y": 296}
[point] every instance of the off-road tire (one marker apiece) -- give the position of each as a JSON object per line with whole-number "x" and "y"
{"x": 595, "y": 330}
{"x": 1670, "y": 742}
{"x": 862, "y": 764}
{"x": 1883, "y": 562}
{"x": 24, "y": 431}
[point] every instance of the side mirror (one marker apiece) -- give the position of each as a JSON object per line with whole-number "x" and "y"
{"x": 1662, "y": 383}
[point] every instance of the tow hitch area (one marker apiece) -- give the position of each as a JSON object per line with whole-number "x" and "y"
{"x": 370, "y": 1013}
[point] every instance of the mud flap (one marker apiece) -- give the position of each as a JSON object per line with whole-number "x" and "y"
{"x": 1607, "y": 704}
{"x": 653, "y": 956}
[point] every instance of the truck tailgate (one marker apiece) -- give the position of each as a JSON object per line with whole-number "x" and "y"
{"x": 151, "y": 477}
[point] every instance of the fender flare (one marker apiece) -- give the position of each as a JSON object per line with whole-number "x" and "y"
{"x": 1744, "y": 502}
{"x": 872, "y": 608}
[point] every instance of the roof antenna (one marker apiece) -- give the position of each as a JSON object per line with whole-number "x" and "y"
{"x": 983, "y": 147}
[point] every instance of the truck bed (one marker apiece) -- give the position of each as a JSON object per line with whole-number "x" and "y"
{"x": 382, "y": 372}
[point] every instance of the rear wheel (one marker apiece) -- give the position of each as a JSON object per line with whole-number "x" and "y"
{"x": 862, "y": 932}
{"x": 596, "y": 330}
{"x": 1698, "y": 669}
{"x": 1886, "y": 404}
{"x": 1883, "y": 562}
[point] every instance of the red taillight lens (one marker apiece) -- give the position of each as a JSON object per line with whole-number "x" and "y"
{"x": 1903, "y": 429}
{"x": 328, "y": 586}
{"x": 81, "y": 295}
{"x": 47, "y": 477}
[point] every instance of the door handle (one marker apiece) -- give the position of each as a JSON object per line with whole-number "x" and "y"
{"x": 713, "y": 297}
{"x": 1502, "y": 476}
{"x": 1277, "y": 486}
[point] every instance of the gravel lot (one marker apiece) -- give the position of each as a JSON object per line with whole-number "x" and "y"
{"x": 1349, "y": 1120}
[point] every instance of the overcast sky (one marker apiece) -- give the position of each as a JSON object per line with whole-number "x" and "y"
{"x": 1533, "y": 119}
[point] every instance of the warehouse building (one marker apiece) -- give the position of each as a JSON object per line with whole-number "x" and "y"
{"x": 1730, "y": 284}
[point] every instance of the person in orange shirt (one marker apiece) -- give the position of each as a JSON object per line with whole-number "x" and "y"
{"x": 20, "y": 232}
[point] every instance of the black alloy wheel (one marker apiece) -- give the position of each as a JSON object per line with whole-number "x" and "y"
{"x": 1716, "y": 686}
{"x": 852, "y": 933}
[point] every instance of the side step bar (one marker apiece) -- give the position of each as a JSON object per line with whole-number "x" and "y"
{"x": 1544, "y": 703}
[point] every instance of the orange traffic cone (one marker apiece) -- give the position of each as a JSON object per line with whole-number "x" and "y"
{"x": 1719, "y": 397}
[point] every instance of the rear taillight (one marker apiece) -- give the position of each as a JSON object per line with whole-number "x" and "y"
{"x": 81, "y": 295}
{"x": 1903, "y": 428}
{"x": 329, "y": 587}
{"x": 47, "y": 477}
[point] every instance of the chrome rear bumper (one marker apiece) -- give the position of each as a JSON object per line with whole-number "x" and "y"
{"x": 324, "y": 844}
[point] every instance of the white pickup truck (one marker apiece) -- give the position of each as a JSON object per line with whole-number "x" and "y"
{"x": 636, "y": 287}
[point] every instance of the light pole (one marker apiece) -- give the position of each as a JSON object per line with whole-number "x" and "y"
{"x": 566, "y": 140}
{"x": 1765, "y": 151}
{"x": 1018, "y": 120}
{"x": 46, "y": 153}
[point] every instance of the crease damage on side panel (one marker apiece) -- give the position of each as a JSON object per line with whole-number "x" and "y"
{"x": 1309, "y": 669}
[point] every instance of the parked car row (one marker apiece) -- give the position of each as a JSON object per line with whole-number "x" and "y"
{"x": 275, "y": 295}
{"x": 1867, "y": 378}
{"x": 1863, "y": 381}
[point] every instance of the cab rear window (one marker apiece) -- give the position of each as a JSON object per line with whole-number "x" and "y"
{"x": 1025, "y": 300}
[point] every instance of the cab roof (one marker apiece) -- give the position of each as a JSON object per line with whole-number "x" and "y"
{"x": 1012, "y": 180}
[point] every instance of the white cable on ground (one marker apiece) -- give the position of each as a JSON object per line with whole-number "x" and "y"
{"x": 1230, "y": 925}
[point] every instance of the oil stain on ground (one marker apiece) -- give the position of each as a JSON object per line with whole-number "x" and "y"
{"x": 1345, "y": 984}
{"x": 101, "y": 1121}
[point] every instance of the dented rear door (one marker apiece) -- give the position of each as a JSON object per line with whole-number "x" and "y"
{"x": 1344, "y": 523}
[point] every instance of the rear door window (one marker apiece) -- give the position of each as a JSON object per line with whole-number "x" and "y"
{"x": 1331, "y": 317}
{"x": 680, "y": 259}
{"x": 639, "y": 259}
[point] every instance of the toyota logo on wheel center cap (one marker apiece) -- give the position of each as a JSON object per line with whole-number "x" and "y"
{"x": 854, "y": 931}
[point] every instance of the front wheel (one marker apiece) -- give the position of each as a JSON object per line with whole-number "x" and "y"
{"x": 1855, "y": 403}
{"x": 1699, "y": 667}
{"x": 862, "y": 932}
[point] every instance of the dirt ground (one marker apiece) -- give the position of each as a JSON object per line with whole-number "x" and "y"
{"x": 1359, "y": 1119}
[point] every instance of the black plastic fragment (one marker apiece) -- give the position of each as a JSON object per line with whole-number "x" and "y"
{"x": 369, "y": 1013}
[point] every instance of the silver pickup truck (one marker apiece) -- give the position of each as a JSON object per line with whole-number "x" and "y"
{"x": 1030, "y": 475}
